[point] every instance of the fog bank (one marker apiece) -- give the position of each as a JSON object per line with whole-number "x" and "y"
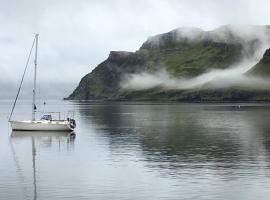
{"x": 45, "y": 91}
{"x": 215, "y": 79}
{"x": 234, "y": 75}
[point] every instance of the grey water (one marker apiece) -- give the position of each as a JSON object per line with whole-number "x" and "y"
{"x": 139, "y": 150}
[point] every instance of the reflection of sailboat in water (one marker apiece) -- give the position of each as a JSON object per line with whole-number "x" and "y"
{"x": 46, "y": 123}
{"x": 34, "y": 136}
{"x": 34, "y": 153}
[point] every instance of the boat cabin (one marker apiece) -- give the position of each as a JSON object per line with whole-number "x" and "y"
{"x": 46, "y": 117}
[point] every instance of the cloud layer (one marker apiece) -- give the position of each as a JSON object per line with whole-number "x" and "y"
{"x": 75, "y": 36}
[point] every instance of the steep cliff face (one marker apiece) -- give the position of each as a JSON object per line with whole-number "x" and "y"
{"x": 103, "y": 81}
{"x": 184, "y": 52}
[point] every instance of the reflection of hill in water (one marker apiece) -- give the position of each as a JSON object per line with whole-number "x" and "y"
{"x": 176, "y": 135}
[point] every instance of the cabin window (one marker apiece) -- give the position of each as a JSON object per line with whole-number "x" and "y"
{"x": 46, "y": 117}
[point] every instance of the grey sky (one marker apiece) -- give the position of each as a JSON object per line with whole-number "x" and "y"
{"x": 76, "y": 35}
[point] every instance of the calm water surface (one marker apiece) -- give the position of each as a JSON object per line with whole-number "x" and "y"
{"x": 140, "y": 151}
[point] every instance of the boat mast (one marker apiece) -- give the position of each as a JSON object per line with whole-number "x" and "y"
{"x": 35, "y": 82}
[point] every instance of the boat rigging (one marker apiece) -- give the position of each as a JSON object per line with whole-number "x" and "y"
{"x": 46, "y": 123}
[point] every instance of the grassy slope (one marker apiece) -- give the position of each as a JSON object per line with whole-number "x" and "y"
{"x": 262, "y": 69}
{"x": 210, "y": 95}
{"x": 195, "y": 59}
{"x": 192, "y": 60}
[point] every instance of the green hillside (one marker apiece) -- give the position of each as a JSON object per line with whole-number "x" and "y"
{"x": 262, "y": 69}
{"x": 184, "y": 52}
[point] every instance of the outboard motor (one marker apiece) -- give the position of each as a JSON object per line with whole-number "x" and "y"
{"x": 72, "y": 123}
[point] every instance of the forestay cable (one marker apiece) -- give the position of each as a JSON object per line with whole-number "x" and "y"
{"x": 22, "y": 80}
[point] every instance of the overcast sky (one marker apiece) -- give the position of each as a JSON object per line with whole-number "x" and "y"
{"x": 76, "y": 35}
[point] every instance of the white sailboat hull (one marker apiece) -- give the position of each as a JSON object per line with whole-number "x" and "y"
{"x": 46, "y": 123}
{"x": 42, "y": 125}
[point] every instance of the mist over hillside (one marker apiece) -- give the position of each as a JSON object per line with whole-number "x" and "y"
{"x": 183, "y": 60}
{"x": 253, "y": 39}
{"x": 45, "y": 91}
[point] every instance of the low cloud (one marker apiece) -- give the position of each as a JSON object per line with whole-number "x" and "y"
{"x": 235, "y": 76}
{"x": 254, "y": 40}
{"x": 213, "y": 80}
{"x": 45, "y": 90}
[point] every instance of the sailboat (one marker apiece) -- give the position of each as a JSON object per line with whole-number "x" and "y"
{"x": 46, "y": 123}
